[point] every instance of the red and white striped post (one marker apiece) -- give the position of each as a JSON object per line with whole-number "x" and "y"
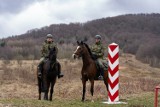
{"x": 156, "y": 96}
{"x": 113, "y": 73}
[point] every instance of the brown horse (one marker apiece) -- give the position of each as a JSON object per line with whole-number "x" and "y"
{"x": 49, "y": 75}
{"x": 89, "y": 69}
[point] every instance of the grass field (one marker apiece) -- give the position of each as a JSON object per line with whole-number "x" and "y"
{"x": 143, "y": 101}
{"x": 18, "y": 85}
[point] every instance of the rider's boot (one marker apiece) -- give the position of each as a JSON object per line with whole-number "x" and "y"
{"x": 40, "y": 70}
{"x": 59, "y": 71}
{"x": 101, "y": 74}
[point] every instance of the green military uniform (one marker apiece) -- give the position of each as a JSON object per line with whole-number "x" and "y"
{"x": 98, "y": 51}
{"x": 45, "y": 50}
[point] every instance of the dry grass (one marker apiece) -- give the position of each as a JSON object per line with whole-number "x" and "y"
{"x": 18, "y": 80}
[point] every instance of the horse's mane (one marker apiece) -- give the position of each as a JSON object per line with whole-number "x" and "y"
{"x": 89, "y": 50}
{"x": 52, "y": 51}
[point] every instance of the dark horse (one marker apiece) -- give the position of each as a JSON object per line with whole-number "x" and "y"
{"x": 89, "y": 69}
{"x": 49, "y": 75}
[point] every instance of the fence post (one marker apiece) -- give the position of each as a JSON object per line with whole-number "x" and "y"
{"x": 156, "y": 96}
{"x": 113, "y": 73}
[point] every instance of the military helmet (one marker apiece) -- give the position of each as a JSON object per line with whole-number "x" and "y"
{"x": 98, "y": 36}
{"x": 49, "y": 36}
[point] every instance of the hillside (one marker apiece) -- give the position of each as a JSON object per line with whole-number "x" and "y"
{"x": 138, "y": 34}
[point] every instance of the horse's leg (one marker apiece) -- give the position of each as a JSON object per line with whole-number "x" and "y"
{"x": 106, "y": 79}
{"x": 84, "y": 88}
{"x": 39, "y": 88}
{"x": 92, "y": 88}
{"x": 51, "y": 90}
{"x": 46, "y": 91}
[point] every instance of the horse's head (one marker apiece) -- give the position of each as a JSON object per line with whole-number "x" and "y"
{"x": 52, "y": 54}
{"x": 81, "y": 49}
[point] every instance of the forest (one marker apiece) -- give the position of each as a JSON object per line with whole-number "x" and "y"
{"x": 137, "y": 34}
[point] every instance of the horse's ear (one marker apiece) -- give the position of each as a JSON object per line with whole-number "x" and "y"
{"x": 78, "y": 43}
{"x": 82, "y": 43}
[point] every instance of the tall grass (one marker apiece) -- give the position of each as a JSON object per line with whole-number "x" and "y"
{"x": 68, "y": 90}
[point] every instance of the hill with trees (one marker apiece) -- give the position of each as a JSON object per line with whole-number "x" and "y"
{"x": 138, "y": 34}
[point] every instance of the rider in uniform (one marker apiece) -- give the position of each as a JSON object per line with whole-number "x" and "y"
{"x": 98, "y": 53}
{"x": 48, "y": 43}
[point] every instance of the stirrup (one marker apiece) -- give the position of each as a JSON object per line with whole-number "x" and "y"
{"x": 100, "y": 77}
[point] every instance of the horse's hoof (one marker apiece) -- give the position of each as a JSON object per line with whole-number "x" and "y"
{"x": 92, "y": 101}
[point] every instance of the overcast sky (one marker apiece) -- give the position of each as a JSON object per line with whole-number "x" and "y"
{"x": 19, "y": 16}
